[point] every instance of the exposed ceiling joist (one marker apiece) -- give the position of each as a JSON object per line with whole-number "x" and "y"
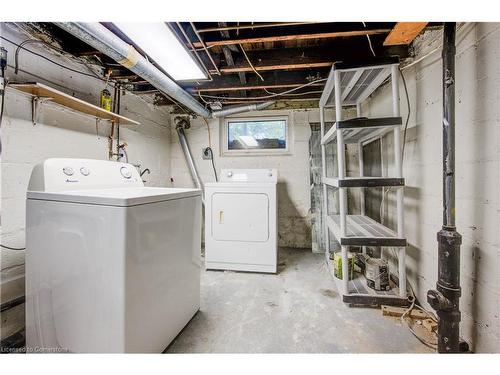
{"x": 238, "y": 69}
{"x": 404, "y": 33}
{"x": 282, "y": 38}
{"x": 253, "y": 26}
{"x": 257, "y": 87}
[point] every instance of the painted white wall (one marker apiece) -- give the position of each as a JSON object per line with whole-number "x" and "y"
{"x": 293, "y": 169}
{"x": 61, "y": 132}
{"x": 477, "y": 173}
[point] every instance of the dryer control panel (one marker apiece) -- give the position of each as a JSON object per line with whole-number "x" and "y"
{"x": 62, "y": 174}
{"x": 249, "y": 175}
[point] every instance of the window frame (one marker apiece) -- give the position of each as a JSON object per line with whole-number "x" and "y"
{"x": 225, "y": 151}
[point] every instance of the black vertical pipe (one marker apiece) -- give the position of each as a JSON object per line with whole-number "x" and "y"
{"x": 449, "y": 125}
{"x": 445, "y": 299}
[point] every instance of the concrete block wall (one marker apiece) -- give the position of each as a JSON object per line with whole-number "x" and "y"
{"x": 61, "y": 132}
{"x": 293, "y": 169}
{"x": 477, "y": 173}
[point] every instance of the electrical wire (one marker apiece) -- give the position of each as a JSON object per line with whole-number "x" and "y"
{"x": 250, "y": 63}
{"x": 92, "y": 75}
{"x": 3, "y": 104}
{"x": 265, "y": 96}
{"x": 369, "y": 41}
{"x": 407, "y": 116}
{"x": 12, "y": 248}
{"x": 213, "y": 163}
{"x": 210, "y": 149}
{"x": 21, "y": 46}
{"x": 431, "y": 345}
{"x": 296, "y": 94}
{"x": 37, "y": 41}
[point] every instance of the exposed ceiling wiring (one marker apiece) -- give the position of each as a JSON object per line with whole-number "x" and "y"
{"x": 369, "y": 41}
{"x": 250, "y": 63}
{"x": 407, "y": 116}
{"x": 102, "y": 79}
{"x": 295, "y": 94}
{"x": 262, "y": 97}
{"x": 21, "y": 46}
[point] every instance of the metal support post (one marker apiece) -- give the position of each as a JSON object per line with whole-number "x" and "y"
{"x": 323, "y": 176}
{"x": 341, "y": 191}
{"x": 359, "y": 113}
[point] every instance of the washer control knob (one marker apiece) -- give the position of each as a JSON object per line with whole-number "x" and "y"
{"x": 68, "y": 171}
{"x": 229, "y": 174}
{"x": 84, "y": 171}
{"x": 125, "y": 172}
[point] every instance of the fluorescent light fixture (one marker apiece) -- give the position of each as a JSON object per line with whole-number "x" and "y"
{"x": 160, "y": 44}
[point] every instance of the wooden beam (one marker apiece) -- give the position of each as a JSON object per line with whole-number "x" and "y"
{"x": 257, "y": 87}
{"x": 256, "y": 26}
{"x": 238, "y": 69}
{"x": 404, "y": 33}
{"x": 282, "y": 38}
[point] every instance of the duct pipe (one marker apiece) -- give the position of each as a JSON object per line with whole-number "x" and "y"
{"x": 246, "y": 108}
{"x": 445, "y": 299}
{"x": 97, "y": 36}
{"x": 103, "y": 40}
{"x": 180, "y": 125}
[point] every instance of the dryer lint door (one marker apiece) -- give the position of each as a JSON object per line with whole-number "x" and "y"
{"x": 242, "y": 217}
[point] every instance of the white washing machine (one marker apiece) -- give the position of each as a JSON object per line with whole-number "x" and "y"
{"x": 241, "y": 221}
{"x": 111, "y": 265}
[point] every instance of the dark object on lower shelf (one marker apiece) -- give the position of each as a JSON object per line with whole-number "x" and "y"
{"x": 370, "y": 182}
{"x": 365, "y": 241}
{"x": 363, "y": 122}
{"x": 373, "y": 301}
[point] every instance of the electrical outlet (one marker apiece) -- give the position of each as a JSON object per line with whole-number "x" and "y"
{"x": 206, "y": 153}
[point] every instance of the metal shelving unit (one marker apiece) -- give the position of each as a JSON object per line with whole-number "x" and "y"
{"x": 349, "y": 85}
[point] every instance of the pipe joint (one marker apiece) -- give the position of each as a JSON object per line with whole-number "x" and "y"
{"x": 182, "y": 122}
{"x": 438, "y": 301}
{"x": 448, "y": 236}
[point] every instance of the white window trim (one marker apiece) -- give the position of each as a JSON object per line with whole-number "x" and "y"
{"x": 255, "y": 152}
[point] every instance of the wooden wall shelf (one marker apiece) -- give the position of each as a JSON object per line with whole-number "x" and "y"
{"x": 42, "y": 93}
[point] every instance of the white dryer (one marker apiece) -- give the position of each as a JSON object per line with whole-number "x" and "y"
{"x": 241, "y": 221}
{"x": 111, "y": 265}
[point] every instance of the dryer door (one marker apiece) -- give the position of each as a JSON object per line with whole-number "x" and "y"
{"x": 240, "y": 217}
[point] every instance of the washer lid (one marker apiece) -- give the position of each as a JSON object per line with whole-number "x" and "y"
{"x": 121, "y": 197}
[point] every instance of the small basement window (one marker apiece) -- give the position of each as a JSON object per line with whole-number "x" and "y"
{"x": 255, "y": 135}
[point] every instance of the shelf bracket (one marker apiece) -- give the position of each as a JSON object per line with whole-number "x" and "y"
{"x": 35, "y": 107}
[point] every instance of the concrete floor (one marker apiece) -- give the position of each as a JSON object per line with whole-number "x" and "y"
{"x": 298, "y": 310}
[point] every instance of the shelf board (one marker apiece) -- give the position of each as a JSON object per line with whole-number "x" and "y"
{"x": 365, "y": 182}
{"x": 361, "y": 129}
{"x": 363, "y": 231}
{"x": 356, "y": 82}
{"x": 45, "y": 92}
{"x": 360, "y": 294}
